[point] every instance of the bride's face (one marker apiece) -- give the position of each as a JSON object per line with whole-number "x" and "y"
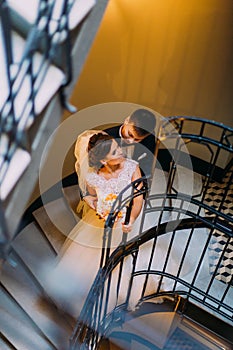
{"x": 115, "y": 155}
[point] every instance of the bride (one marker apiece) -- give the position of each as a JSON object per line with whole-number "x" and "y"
{"x": 103, "y": 172}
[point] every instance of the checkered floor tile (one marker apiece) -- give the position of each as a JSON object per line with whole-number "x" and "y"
{"x": 217, "y": 198}
{"x": 221, "y": 246}
{"x": 221, "y": 257}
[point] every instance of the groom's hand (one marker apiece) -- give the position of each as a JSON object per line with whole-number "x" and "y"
{"x": 91, "y": 201}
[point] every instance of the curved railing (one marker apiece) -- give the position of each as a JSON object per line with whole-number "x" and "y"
{"x": 213, "y": 141}
{"x": 100, "y": 310}
{"x": 187, "y": 227}
{"x": 28, "y": 62}
{"x": 43, "y": 46}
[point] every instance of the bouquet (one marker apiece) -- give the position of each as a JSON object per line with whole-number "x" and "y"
{"x": 104, "y": 206}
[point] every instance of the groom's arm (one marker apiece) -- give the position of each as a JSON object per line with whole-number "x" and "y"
{"x": 114, "y": 131}
{"x": 144, "y": 153}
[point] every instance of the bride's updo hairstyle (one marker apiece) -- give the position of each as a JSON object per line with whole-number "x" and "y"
{"x": 98, "y": 147}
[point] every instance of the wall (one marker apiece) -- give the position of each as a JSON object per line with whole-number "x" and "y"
{"x": 174, "y": 56}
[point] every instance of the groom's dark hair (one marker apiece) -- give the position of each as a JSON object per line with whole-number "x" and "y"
{"x": 144, "y": 121}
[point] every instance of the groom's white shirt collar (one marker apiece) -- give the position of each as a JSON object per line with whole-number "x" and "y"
{"x": 120, "y": 133}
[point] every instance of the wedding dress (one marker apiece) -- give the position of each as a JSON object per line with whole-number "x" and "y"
{"x": 72, "y": 275}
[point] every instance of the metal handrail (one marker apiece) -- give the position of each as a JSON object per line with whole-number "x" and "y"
{"x": 91, "y": 311}
{"x": 41, "y": 39}
{"x": 87, "y": 322}
{"x": 96, "y": 318}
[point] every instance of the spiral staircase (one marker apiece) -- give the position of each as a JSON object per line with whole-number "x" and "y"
{"x": 195, "y": 313}
{"x": 190, "y": 194}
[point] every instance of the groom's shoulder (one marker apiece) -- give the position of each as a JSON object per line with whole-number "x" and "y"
{"x": 113, "y": 130}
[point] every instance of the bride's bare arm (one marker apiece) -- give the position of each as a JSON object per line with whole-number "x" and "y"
{"x": 91, "y": 197}
{"x": 137, "y": 203}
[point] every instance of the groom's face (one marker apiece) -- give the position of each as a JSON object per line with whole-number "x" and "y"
{"x": 128, "y": 133}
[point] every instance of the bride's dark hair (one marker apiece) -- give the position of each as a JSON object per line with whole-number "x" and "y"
{"x": 98, "y": 147}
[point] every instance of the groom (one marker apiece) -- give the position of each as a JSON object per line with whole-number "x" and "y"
{"x": 137, "y": 137}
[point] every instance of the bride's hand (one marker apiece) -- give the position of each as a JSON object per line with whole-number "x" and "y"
{"x": 127, "y": 228}
{"x": 91, "y": 201}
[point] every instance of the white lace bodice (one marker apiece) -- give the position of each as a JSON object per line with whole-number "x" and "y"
{"x": 108, "y": 189}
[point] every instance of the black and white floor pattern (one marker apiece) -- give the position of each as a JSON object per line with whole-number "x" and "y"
{"x": 221, "y": 245}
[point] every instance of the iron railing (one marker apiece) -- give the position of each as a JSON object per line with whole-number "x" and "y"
{"x": 25, "y": 77}
{"x": 193, "y": 230}
{"x": 23, "y": 92}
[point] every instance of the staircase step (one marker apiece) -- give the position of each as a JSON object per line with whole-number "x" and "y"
{"x": 34, "y": 248}
{"x": 199, "y": 335}
{"x": 29, "y": 295}
{"x": 17, "y": 328}
{"x": 152, "y": 328}
{"x": 72, "y": 197}
{"x": 56, "y": 221}
{"x": 36, "y": 252}
{"x": 20, "y": 336}
{"x": 38, "y": 255}
{"x": 5, "y": 345}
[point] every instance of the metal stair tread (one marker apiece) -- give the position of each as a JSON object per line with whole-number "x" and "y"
{"x": 8, "y": 304}
{"x": 35, "y": 251}
{"x": 16, "y": 327}
{"x": 155, "y": 328}
{"x": 33, "y": 248}
{"x": 4, "y": 345}
{"x": 28, "y": 295}
{"x": 20, "y": 336}
{"x": 56, "y": 221}
{"x": 14, "y": 321}
{"x": 72, "y": 196}
{"x": 178, "y": 338}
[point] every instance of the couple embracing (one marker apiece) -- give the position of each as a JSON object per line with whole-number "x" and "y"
{"x": 107, "y": 161}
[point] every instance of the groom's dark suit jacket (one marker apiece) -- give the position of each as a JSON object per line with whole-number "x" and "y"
{"x": 146, "y": 148}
